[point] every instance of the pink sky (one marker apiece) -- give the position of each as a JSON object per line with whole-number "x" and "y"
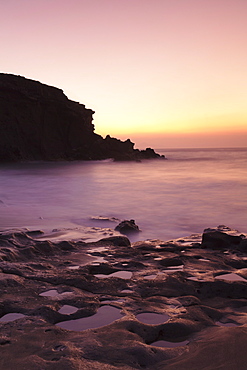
{"x": 166, "y": 73}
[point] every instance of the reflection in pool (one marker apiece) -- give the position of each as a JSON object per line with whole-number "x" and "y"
{"x": 152, "y": 318}
{"x": 150, "y": 277}
{"x": 67, "y": 309}
{"x": 49, "y": 293}
{"x": 53, "y": 293}
{"x": 75, "y": 267}
{"x": 119, "y": 274}
{"x": 219, "y": 323}
{"x": 153, "y": 276}
{"x": 104, "y": 316}
{"x": 127, "y": 291}
{"x": 194, "y": 278}
{"x": 163, "y": 343}
{"x": 230, "y": 277}
{"x": 11, "y": 317}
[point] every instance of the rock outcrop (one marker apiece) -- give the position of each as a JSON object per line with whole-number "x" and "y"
{"x": 127, "y": 227}
{"x": 113, "y": 305}
{"x": 38, "y": 122}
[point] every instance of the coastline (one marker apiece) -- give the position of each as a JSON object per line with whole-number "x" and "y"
{"x": 168, "y": 199}
{"x": 39, "y": 122}
{"x": 194, "y": 311}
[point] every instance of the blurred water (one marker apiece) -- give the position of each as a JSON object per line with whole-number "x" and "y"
{"x": 190, "y": 191}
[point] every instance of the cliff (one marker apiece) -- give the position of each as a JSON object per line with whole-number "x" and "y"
{"x": 38, "y": 122}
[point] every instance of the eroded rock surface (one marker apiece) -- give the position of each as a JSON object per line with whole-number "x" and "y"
{"x": 200, "y": 315}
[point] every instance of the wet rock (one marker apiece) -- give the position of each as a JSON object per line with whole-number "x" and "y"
{"x": 243, "y": 246}
{"x": 220, "y": 240}
{"x": 38, "y": 289}
{"x": 104, "y": 218}
{"x": 65, "y": 245}
{"x": 121, "y": 241}
{"x": 4, "y": 341}
{"x": 169, "y": 262}
{"x": 127, "y": 226}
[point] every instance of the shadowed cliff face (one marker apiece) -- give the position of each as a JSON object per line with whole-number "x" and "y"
{"x": 38, "y": 122}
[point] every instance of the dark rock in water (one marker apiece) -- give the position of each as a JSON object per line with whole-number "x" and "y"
{"x": 149, "y": 153}
{"x": 127, "y": 226}
{"x": 38, "y": 122}
{"x": 219, "y": 240}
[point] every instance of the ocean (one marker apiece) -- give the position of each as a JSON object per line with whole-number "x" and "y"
{"x": 192, "y": 190}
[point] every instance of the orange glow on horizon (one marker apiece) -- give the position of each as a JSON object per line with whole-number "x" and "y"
{"x": 162, "y": 68}
{"x": 202, "y": 125}
{"x": 195, "y": 140}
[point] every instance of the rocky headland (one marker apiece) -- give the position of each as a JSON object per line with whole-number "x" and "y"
{"x": 38, "y": 122}
{"x": 110, "y": 304}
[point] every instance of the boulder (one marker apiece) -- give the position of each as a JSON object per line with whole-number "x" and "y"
{"x": 127, "y": 226}
{"x": 118, "y": 241}
{"x": 220, "y": 240}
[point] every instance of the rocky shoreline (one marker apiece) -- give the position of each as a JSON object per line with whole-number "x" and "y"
{"x": 38, "y": 122}
{"x": 110, "y": 304}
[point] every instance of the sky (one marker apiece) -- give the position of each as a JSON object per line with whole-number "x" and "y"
{"x": 164, "y": 73}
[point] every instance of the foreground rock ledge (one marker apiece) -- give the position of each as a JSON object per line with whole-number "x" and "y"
{"x": 185, "y": 279}
{"x": 38, "y": 122}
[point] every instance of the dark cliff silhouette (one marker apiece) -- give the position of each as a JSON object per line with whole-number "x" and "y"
{"x": 38, "y": 122}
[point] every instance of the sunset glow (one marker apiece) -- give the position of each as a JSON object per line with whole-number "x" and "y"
{"x": 164, "y": 73}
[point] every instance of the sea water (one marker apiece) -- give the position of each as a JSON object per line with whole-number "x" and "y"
{"x": 193, "y": 189}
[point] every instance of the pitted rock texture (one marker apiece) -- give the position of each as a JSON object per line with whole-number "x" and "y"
{"x": 205, "y": 321}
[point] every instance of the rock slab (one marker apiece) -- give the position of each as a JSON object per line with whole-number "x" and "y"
{"x": 204, "y": 317}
